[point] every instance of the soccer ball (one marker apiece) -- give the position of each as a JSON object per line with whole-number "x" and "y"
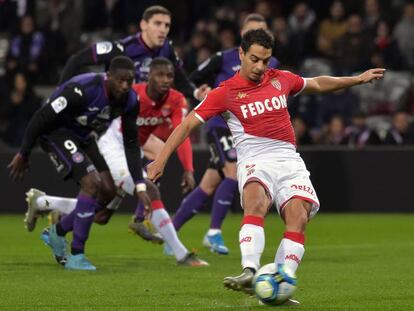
{"x": 273, "y": 285}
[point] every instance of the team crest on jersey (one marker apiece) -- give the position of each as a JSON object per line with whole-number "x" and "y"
{"x": 276, "y": 84}
{"x": 241, "y": 95}
{"x": 165, "y": 111}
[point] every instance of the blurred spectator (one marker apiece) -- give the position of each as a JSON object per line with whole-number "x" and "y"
{"x": 227, "y": 38}
{"x": 26, "y": 49}
{"x": 95, "y": 15}
{"x": 354, "y": 48}
{"x": 331, "y": 29}
{"x": 55, "y": 17}
{"x": 359, "y": 135}
{"x": 301, "y": 132}
{"x": 333, "y": 133}
{"x": 198, "y": 40}
{"x": 18, "y": 109}
{"x": 280, "y": 31}
{"x": 386, "y": 53}
{"x": 404, "y": 34}
{"x": 264, "y": 8}
{"x": 401, "y": 132}
{"x": 301, "y": 32}
{"x": 372, "y": 16}
{"x": 342, "y": 102}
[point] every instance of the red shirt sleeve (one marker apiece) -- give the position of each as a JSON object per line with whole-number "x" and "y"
{"x": 297, "y": 83}
{"x": 214, "y": 104}
{"x": 185, "y": 150}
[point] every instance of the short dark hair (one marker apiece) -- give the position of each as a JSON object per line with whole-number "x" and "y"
{"x": 121, "y": 62}
{"x": 254, "y": 17}
{"x": 155, "y": 9}
{"x": 260, "y": 37}
{"x": 160, "y": 61}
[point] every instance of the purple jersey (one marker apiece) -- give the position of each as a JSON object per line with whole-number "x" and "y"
{"x": 88, "y": 108}
{"x": 136, "y": 49}
{"x": 224, "y": 64}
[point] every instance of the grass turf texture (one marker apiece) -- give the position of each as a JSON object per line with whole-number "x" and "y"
{"x": 352, "y": 262}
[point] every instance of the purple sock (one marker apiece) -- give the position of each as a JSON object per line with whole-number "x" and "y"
{"x": 82, "y": 220}
{"x": 223, "y": 198}
{"x": 190, "y": 206}
{"x": 66, "y": 224}
{"x": 140, "y": 212}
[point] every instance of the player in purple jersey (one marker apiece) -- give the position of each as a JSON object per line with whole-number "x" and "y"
{"x": 220, "y": 177}
{"x": 146, "y": 45}
{"x": 66, "y": 127}
{"x": 142, "y": 48}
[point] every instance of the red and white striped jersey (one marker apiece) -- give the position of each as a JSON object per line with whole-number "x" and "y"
{"x": 256, "y": 113}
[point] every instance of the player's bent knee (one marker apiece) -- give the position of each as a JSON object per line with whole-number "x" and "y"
{"x": 296, "y": 213}
{"x": 107, "y": 192}
{"x": 90, "y": 184}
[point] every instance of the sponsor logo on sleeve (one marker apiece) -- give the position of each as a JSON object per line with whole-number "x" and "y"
{"x": 103, "y": 47}
{"x": 120, "y": 46}
{"x": 82, "y": 120}
{"x": 78, "y": 91}
{"x": 59, "y": 104}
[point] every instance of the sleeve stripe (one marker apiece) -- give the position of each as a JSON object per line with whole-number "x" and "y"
{"x": 199, "y": 117}
{"x": 303, "y": 87}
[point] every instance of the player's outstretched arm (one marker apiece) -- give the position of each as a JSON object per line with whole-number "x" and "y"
{"x": 324, "y": 84}
{"x": 156, "y": 168}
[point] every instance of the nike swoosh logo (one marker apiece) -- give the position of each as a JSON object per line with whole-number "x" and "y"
{"x": 84, "y": 215}
{"x": 93, "y": 108}
{"x": 224, "y": 202}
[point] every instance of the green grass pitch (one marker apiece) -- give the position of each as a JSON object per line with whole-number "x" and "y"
{"x": 352, "y": 262}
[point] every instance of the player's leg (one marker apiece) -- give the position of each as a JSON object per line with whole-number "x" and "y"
{"x": 72, "y": 161}
{"x": 223, "y": 199}
{"x": 256, "y": 201}
{"x": 99, "y": 189}
{"x": 297, "y": 203}
{"x": 197, "y": 198}
{"x": 291, "y": 249}
{"x": 40, "y": 204}
{"x": 222, "y": 158}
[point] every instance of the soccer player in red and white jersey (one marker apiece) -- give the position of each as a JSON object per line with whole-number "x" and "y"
{"x": 269, "y": 170}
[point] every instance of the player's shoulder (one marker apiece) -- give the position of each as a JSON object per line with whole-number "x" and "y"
{"x": 175, "y": 95}
{"x": 139, "y": 87}
{"x": 230, "y": 52}
{"x": 273, "y": 73}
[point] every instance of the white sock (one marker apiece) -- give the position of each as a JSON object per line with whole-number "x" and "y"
{"x": 213, "y": 231}
{"x": 290, "y": 253}
{"x": 162, "y": 222}
{"x": 252, "y": 243}
{"x": 64, "y": 205}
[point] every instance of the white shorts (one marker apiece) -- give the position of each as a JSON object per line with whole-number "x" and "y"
{"x": 283, "y": 179}
{"x": 111, "y": 146}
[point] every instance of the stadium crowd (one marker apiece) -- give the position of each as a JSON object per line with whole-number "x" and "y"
{"x": 319, "y": 37}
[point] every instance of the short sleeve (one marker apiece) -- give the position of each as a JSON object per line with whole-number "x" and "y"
{"x": 214, "y": 104}
{"x": 180, "y": 110}
{"x": 296, "y": 83}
